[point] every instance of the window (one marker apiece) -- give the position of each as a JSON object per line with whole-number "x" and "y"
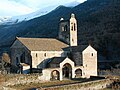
{"x": 17, "y": 61}
{"x": 62, "y": 28}
{"x": 22, "y": 58}
{"x": 45, "y": 54}
{"x": 74, "y": 27}
{"x": 65, "y": 28}
{"x": 36, "y": 55}
{"x": 92, "y": 54}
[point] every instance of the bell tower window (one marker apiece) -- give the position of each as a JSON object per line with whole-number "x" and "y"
{"x": 62, "y": 28}
{"x": 74, "y": 27}
{"x": 65, "y": 28}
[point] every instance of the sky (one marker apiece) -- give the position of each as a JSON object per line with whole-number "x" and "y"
{"x": 21, "y": 7}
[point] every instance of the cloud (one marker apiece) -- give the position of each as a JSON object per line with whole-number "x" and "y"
{"x": 9, "y": 8}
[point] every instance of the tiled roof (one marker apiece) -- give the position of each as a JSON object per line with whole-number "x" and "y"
{"x": 78, "y": 48}
{"x": 55, "y": 62}
{"x": 76, "y": 57}
{"x": 76, "y": 54}
{"x": 43, "y": 44}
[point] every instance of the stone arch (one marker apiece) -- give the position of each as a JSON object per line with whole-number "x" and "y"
{"x": 65, "y": 28}
{"x": 55, "y": 75}
{"x": 67, "y": 71}
{"x": 78, "y": 73}
{"x": 17, "y": 59}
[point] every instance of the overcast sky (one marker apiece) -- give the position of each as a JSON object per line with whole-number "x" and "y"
{"x": 21, "y": 7}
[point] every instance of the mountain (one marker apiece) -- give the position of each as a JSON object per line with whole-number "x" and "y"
{"x": 4, "y": 19}
{"x": 21, "y": 18}
{"x": 72, "y": 4}
{"x": 43, "y": 11}
{"x": 98, "y": 24}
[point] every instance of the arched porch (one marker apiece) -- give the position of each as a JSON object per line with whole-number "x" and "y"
{"x": 78, "y": 73}
{"x": 67, "y": 71}
{"x": 55, "y": 75}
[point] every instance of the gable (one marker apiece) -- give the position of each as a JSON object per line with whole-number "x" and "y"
{"x": 17, "y": 44}
{"x": 67, "y": 60}
{"x": 89, "y": 49}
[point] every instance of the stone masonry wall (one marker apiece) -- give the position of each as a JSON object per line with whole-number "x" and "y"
{"x": 22, "y": 79}
{"x": 92, "y": 85}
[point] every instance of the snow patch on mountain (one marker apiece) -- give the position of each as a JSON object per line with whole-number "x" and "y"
{"x": 43, "y": 11}
{"x": 72, "y": 4}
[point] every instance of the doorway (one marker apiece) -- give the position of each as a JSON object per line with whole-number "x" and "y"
{"x": 55, "y": 75}
{"x": 67, "y": 71}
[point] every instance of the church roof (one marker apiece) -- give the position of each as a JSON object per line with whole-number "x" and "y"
{"x": 76, "y": 54}
{"x": 76, "y": 57}
{"x": 43, "y": 44}
{"x": 55, "y": 62}
{"x": 78, "y": 48}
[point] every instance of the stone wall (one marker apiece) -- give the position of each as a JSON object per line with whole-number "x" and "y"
{"x": 14, "y": 79}
{"x": 89, "y": 62}
{"x": 17, "y": 49}
{"x": 40, "y": 58}
{"x": 92, "y": 85}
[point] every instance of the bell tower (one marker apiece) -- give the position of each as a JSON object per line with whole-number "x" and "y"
{"x": 73, "y": 30}
{"x": 68, "y": 30}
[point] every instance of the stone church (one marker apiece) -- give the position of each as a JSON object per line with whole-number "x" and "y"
{"x": 56, "y": 59}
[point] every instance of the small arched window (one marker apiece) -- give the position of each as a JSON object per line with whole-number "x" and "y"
{"x": 92, "y": 54}
{"x": 65, "y": 28}
{"x": 62, "y": 28}
{"x": 45, "y": 54}
{"x": 17, "y": 61}
{"x": 74, "y": 27}
{"x": 36, "y": 55}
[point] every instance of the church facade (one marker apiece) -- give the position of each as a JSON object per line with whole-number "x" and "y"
{"x": 56, "y": 59}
